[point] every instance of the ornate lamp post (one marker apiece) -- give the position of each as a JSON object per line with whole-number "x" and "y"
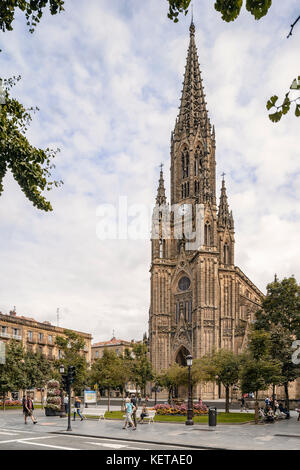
{"x": 189, "y": 421}
{"x": 62, "y": 406}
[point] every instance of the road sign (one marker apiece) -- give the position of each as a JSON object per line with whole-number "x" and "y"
{"x": 2, "y": 352}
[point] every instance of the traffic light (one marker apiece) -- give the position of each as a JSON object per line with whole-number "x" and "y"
{"x": 64, "y": 380}
{"x": 71, "y": 374}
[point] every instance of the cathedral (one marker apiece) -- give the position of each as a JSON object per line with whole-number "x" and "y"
{"x": 199, "y": 299}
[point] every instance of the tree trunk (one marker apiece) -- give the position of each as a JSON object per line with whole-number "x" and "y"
{"x": 287, "y": 400}
{"x": 227, "y": 399}
{"x": 273, "y": 397}
{"x": 108, "y": 403}
{"x": 256, "y": 407}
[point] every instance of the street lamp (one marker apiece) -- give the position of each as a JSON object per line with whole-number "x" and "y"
{"x": 62, "y": 406}
{"x": 189, "y": 421}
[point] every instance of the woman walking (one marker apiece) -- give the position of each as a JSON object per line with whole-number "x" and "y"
{"x": 129, "y": 410}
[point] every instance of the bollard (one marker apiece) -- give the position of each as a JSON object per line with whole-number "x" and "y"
{"x": 212, "y": 416}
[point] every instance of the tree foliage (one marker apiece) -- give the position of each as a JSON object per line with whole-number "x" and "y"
{"x": 279, "y": 317}
{"x": 30, "y": 166}
{"x": 33, "y": 10}
{"x": 72, "y": 347}
{"x": 141, "y": 366}
{"x": 222, "y": 367}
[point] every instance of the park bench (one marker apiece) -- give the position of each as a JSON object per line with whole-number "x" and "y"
{"x": 100, "y": 412}
{"x": 149, "y": 417}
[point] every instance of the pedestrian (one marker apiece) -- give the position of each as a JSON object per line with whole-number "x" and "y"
{"x": 146, "y": 398}
{"x": 144, "y": 413}
{"x": 77, "y": 405}
{"x": 200, "y": 401}
{"x": 129, "y": 410}
{"x": 134, "y": 403}
{"x": 28, "y": 408}
{"x": 284, "y": 411}
{"x": 66, "y": 403}
{"x": 140, "y": 400}
{"x": 243, "y": 408}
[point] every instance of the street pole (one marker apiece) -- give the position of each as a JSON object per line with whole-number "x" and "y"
{"x": 189, "y": 421}
{"x": 69, "y": 405}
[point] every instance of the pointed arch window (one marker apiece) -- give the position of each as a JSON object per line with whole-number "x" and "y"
{"x": 226, "y": 253}
{"x": 207, "y": 234}
{"x": 185, "y": 162}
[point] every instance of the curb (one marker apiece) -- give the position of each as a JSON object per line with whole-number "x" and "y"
{"x": 182, "y": 446}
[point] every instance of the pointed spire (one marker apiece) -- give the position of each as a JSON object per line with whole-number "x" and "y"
{"x": 161, "y": 192}
{"x": 192, "y": 111}
{"x": 224, "y": 217}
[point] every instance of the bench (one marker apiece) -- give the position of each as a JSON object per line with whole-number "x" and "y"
{"x": 100, "y": 412}
{"x": 150, "y": 416}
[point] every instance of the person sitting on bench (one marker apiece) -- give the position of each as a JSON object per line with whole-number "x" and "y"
{"x": 144, "y": 413}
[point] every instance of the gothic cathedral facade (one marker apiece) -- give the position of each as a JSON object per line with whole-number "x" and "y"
{"x": 199, "y": 299}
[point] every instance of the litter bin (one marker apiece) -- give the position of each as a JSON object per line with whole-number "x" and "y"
{"x": 212, "y": 416}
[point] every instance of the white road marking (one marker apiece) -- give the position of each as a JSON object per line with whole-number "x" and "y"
{"x": 26, "y": 439}
{"x": 46, "y": 445}
{"x": 112, "y": 446}
{"x": 8, "y": 433}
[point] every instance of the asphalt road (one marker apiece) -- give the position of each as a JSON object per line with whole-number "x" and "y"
{"x": 15, "y": 439}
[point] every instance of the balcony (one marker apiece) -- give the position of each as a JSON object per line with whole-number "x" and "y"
{"x": 41, "y": 341}
{"x": 17, "y": 337}
{"x": 4, "y": 335}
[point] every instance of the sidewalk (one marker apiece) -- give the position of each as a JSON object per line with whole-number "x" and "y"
{"x": 283, "y": 435}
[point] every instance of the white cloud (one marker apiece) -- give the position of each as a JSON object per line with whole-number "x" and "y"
{"x": 107, "y": 80}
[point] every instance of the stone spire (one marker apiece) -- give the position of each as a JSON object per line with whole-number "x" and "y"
{"x": 192, "y": 110}
{"x": 161, "y": 192}
{"x": 225, "y": 218}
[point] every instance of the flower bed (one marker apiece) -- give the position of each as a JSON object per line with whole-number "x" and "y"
{"x": 179, "y": 410}
{"x": 53, "y": 405}
{"x": 11, "y": 403}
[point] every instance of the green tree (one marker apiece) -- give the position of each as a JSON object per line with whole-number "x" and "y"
{"x": 222, "y": 367}
{"x": 141, "y": 366}
{"x": 12, "y": 373}
{"x": 258, "y": 369}
{"x": 38, "y": 370}
{"x": 108, "y": 372}
{"x": 230, "y": 10}
{"x": 280, "y": 317}
{"x": 72, "y": 347}
{"x": 30, "y": 166}
{"x": 171, "y": 378}
{"x": 33, "y": 10}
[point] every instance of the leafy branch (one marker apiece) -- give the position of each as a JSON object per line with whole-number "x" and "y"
{"x": 286, "y": 105}
{"x": 30, "y": 166}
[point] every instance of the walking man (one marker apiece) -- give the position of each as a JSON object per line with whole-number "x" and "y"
{"x": 134, "y": 403}
{"x": 28, "y": 409}
{"x": 77, "y": 409}
{"x": 129, "y": 410}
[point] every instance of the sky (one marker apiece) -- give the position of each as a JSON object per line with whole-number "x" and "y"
{"x": 107, "y": 79}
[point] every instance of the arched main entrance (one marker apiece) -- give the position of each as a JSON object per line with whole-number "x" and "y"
{"x": 181, "y": 390}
